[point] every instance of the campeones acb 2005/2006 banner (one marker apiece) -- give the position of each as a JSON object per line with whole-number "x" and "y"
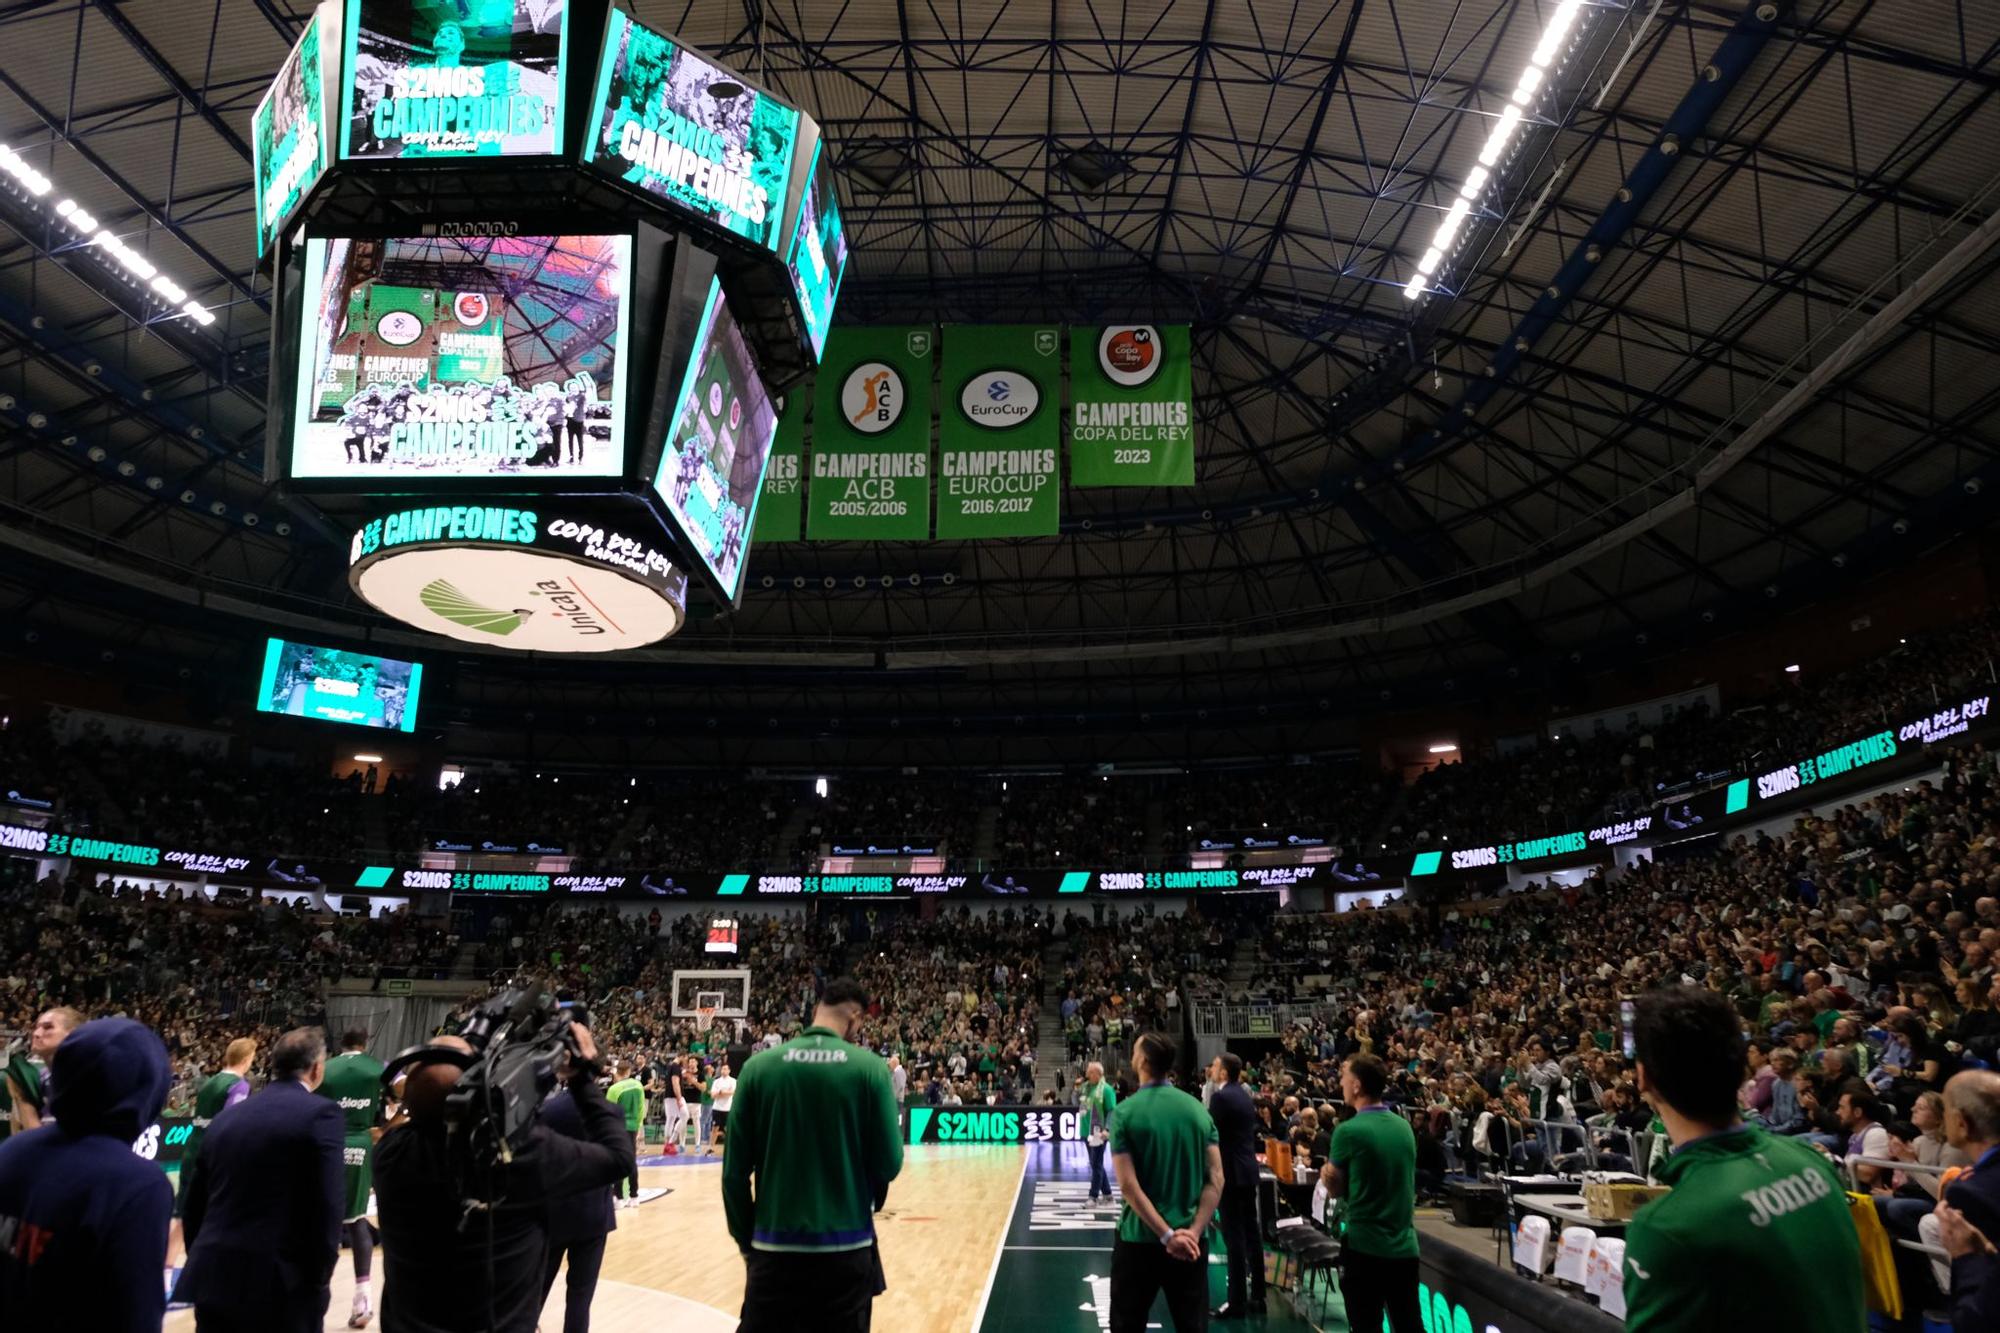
{"x": 447, "y": 358}
{"x": 452, "y": 78}
{"x": 658, "y": 123}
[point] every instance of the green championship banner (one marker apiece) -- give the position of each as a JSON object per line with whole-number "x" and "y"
{"x": 1000, "y": 433}
{"x": 778, "y": 512}
{"x": 1132, "y": 419}
{"x": 870, "y": 478}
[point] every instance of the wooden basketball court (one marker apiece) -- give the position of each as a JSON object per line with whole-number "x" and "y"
{"x": 974, "y": 1240}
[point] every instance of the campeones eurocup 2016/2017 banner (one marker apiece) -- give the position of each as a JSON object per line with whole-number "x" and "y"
{"x": 712, "y": 470}
{"x": 1000, "y": 433}
{"x": 288, "y": 142}
{"x": 655, "y": 124}
{"x": 445, "y": 358}
{"x": 452, "y": 78}
{"x": 871, "y": 459}
{"x": 1132, "y": 419}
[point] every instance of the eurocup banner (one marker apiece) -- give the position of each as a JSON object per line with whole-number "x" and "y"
{"x": 1132, "y": 413}
{"x": 434, "y": 358}
{"x": 779, "y": 512}
{"x": 871, "y": 459}
{"x": 452, "y": 78}
{"x": 288, "y": 141}
{"x": 1000, "y": 432}
{"x": 655, "y": 124}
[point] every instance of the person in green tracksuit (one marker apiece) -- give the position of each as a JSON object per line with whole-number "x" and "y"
{"x": 1099, "y": 1100}
{"x": 1755, "y": 1233}
{"x": 814, "y": 1127}
{"x": 629, "y": 1096}
{"x": 217, "y": 1093}
{"x": 353, "y": 1081}
{"x": 20, "y": 1084}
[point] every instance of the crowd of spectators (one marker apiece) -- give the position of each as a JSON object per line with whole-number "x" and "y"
{"x": 938, "y": 810}
{"x": 1558, "y": 785}
{"x": 1074, "y": 821}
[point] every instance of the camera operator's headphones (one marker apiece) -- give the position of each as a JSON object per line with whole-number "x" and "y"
{"x": 427, "y": 1053}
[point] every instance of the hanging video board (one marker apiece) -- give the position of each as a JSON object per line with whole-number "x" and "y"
{"x": 712, "y": 470}
{"x": 455, "y": 358}
{"x": 288, "y": 132}
{"x": 671, "y": 123}
{"x": 818, "y": 254}
{"x": 335, "y": 685}
{"x": 452, "y": 78}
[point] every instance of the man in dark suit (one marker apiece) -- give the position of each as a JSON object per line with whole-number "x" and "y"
{"x": 263, "y": 1215}
{"x": 1236, "y": 1132}
{"x": 577, "y": 1225}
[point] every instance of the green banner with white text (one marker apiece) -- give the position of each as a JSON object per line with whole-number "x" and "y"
{"x": 870, "y": 477}
{"x": 1000, "y": 432}
{"x": 784, "y": 491}
{"x": 1132, "y": 406}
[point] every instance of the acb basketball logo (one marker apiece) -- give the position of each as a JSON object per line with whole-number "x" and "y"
{"x": 1130, "y": 354}
{"x": 871, "y": 397}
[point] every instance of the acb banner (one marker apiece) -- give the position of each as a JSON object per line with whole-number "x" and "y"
{"x": 784, "y": 493}
{"x": 1000, "y": 432}
{"x": 871, "y": 457}
{"x": 1132, "y": 423}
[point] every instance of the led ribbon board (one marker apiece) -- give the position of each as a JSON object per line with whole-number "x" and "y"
{"x": 335, "y": 685}
{"x": 992, "y": 1124}
{"x": 555, "y": 580}
{"x": 289, "y": 147}
{"x": 670, "y": 123}
{"x": 452, "y": 78}
{"x": 818, "y": 255}
{"x": 442, "y": 358}
{"x": 712, "y": 469}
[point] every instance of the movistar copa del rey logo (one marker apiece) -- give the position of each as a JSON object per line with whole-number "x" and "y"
{"x": 444, "y": 598}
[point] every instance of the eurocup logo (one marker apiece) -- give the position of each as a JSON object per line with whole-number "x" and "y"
{"x": 999, "y": 398}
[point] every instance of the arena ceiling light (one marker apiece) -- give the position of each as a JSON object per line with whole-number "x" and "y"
{"x": 1553, "y": 37}
{"x": 367, "y": 758}
{"x": 1446, "y": 748}
{"x": 86, "y": 226}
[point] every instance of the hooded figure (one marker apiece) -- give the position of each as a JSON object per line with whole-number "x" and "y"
{"x": 83, "y": 1219}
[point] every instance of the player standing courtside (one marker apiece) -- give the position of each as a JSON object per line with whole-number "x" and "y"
{"x": 629, "y": 1096}
{"x": 813, "y": 1124}
{"x": 217, "y": 1093}
{"x": 353, "y": 1082}
{"x": 1169, "y": 1166}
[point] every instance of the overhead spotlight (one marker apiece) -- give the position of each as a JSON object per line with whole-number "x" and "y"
{"x": 251, "y": 520}
{"x": 127, "y": 468}
{"x": 1770, "y": 590}
{"x": 95, "y": 453}
{"x": 949, "y": 578}
{"x": 798, "y": 582}
{"x": 766, "y": 581}
{"x": 154, "y": 483}
{"x": 187, "y": 497}
{"x": 38, "y": 419}
{"x": 217, "y": 508}
{"x": 1708, "y": 617}
{"x": 1901, "y": 527}
{"x": 283, "y": 529}
{"x": 1670, "y": 145}
{"x": 69, "y": 441}
{"x": 1840, "y": 560}
{"x": 1972, "y": 484}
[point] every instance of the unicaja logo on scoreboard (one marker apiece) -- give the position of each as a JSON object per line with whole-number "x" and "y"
{"x": 871, "y": 397}
{"x": 1129, "y": 354}
{"x": 999, "y": 399}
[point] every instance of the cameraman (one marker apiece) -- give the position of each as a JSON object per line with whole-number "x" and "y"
{"x": 454, "y": 1264}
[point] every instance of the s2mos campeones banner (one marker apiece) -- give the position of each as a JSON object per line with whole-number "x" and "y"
{"x": 871, "y": 460}
{"x": 1132, "y": 419}
{"x": 779, "y": 511}
{"x": 453, "y": 78}
{"x": 991, "y": 1124}
{"x": 999, "y": 432}
{"x": 288, "y": 139}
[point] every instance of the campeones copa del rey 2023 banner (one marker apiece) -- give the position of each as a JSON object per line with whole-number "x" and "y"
{"x": 1132, "y": 419}
{"x": 444, "y": 358}
{"x": 452, "y": 78}
{"x": 655, "y": 124}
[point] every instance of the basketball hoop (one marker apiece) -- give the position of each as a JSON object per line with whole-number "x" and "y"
{"x": 703, "y": 1017}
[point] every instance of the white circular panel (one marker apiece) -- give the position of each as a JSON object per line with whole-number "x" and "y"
{"x": 525, "y": 601}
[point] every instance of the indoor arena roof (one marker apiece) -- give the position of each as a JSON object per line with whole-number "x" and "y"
{"x": 1725, "y": 337}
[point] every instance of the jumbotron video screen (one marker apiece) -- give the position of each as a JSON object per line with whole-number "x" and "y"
{"x": 712, "y": 470}
{"x": 456, "y": 358}
{"x": 336, "y": 685}
{"x": 453, "y": 78}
